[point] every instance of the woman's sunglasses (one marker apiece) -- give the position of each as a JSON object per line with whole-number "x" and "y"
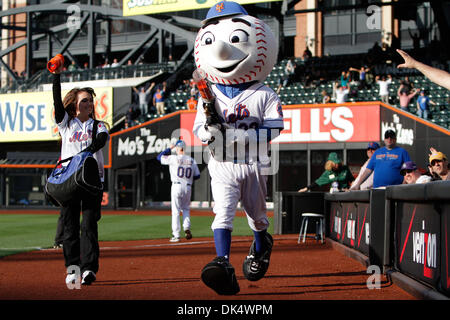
{"x": 404, "y": 172}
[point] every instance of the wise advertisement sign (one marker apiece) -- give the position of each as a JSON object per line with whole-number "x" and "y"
{"x": 138, "y": 7}
{"x": 418, "y": 241}
{"x": 30, "y": 116}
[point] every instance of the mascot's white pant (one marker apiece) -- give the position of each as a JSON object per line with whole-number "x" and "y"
{"x": 234, "y": 182}
{"x": 181, "y": 199}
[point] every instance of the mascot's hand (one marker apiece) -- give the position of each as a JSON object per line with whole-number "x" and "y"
{"x": 209, "y": 133}
{"x": 213, "y": 119}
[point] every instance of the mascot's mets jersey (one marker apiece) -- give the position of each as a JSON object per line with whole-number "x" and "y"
{"x": 258, "y": 107}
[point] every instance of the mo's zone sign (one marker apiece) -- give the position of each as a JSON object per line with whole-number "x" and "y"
{"x": 144, "y": 142}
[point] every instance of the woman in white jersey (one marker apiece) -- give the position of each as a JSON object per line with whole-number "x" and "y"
{"x": 75, "y": 119}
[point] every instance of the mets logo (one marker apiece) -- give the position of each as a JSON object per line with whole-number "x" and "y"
{"x": 79, "y": 136}
{"x": 241, "y": 112}
{"x": 219, "y": 7}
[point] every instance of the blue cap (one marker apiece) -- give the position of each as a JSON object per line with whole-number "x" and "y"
{"x": 224, "y": 9}
{"x": 180, "y": 144}
{"x": 373, "y": 145}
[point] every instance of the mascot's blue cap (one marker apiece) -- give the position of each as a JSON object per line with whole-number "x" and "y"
{"x": 224, "y": 9}
{"x": 180, "y": 144}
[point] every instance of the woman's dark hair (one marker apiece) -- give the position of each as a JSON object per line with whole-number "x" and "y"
{"x": 71, "y": 99}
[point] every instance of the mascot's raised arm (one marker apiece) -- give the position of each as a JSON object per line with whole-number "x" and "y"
{"x": 236, "y": 52}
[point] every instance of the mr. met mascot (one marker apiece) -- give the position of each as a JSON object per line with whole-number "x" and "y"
{"x": 236, "y": 52}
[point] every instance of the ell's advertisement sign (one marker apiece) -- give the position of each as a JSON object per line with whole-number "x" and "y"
{"x": 319, "y": 124}
{"x": 138, "y": 7}
{"x": 31, "y": 116}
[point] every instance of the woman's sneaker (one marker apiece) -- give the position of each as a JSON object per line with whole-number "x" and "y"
{"x": 88, "y": 277}
{"x": 72, "y": 279}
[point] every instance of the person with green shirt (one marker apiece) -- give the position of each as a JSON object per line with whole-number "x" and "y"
{"x": 334, "y": 171}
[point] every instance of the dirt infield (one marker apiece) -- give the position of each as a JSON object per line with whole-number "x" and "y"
{"x": 159, "y": 270}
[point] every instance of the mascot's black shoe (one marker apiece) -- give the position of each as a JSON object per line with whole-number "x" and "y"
{"x": 219, "y": 275}
{"x": 256, "y": 264}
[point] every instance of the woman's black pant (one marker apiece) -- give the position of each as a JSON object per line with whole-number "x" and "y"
{"x": 80, "y": 245}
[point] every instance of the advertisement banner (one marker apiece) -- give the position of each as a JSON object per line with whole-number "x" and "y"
{"x": 330, "y": 124}
{"x": 445, "y": 272}
{"x": 30, "y": 116}
{"x": 348, "y": 222}
{"x": 414, "y": 134}
{"x": 418, "y": 242}
{"x": 362, "y": 232}
{"x": 145, "y": 142}
{"x": 335, "y": 223}
{"x": 137, "y": 7}
{"x": 404, "y": 127}
{"x": 359, "y": 123}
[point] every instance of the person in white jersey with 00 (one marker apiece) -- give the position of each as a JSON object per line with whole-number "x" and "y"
{"x": 183, "y": 171}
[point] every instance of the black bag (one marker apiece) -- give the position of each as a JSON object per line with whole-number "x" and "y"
{"x": 80, "y": 174}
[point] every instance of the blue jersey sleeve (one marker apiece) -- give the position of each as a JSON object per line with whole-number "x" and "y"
{"x": 371, "y": 164}
{"x": 164, "y": 153}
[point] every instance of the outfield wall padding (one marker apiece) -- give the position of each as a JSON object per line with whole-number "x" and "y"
{"x": 418, "y": 218}
{"x": 356, "y": 219}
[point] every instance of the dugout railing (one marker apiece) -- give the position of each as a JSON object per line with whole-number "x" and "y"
{"x": 402, "y": 229}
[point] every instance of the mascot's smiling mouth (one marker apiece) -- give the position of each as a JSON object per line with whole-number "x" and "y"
{"x": 231, "y": 68}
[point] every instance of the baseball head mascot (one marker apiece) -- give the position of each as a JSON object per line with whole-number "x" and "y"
{"x": 234, "y": 53}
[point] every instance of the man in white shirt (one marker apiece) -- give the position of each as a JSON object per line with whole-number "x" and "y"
{"x": 368, "y": 183}
{"x": 341, "y": 94}
{"x": 115, "y": 63}
{"x": 142, "y": 94}
{"x": 384, "y": 87}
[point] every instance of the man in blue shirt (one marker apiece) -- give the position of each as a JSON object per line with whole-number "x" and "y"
{"x": 423, "y": 105}
{"x": 386, "y": 163}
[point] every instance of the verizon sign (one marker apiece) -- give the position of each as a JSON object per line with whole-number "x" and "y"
{"x": 330, "y": 124}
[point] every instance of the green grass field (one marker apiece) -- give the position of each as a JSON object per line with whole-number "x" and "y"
{"x": 25, "y": 232}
